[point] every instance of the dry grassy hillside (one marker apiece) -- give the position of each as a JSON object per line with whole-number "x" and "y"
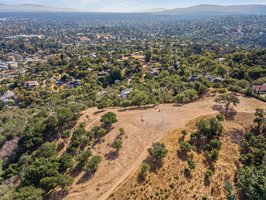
{"x": 142, "y": 128}
{"x": 170, "y": 181}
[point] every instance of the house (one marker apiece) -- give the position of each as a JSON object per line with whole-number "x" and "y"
{"x": 154, "y": 71}
{"x": 75, "y": 83}
{"x": 12, "y": 64}
{"x": 103, "y": 73}
{"x": 193, "y": 78}
{"x": 209, "y": 77}
{"x": 9, "y": 98}
{"x": 221, "y": 60}
{"x": 4, "y": 66}
{"x": 31, "y": 84}
{"x": 218, "y": 80}
{"x": 126, "y": 92}
{"x": 261, "y": 89}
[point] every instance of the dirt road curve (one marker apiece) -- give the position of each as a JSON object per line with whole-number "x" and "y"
{"x": 143, "y": 127}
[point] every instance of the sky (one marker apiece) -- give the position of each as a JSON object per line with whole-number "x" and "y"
{"x": 128, "y": 5}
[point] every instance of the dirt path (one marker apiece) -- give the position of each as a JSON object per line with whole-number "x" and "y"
{"x": 142, "y": 127}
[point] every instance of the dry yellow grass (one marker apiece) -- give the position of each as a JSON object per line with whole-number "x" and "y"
{"x": 143, "y": 127}
{"x": 170, "y": 181}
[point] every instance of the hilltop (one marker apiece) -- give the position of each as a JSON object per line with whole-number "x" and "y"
{"x": 202, "y": 9}
{"x": 142, "y": 128}
{"x": 32, "y": 8}
{"x": 208, "y": 9}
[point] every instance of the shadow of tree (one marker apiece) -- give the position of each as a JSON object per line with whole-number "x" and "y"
{"x": 187, "y": 173}
{"x": 56, "y": 195}
{"x": 178, "y": 105}
{"x": 76, "y": 171}
{"x": 237, "y": 136}
{"x": 86, "y": 177}
{"x": 181, "y": 155}
{"x": 111, "y": 155}
{"x": 141, "y": 178}
{"x": 230, "y": 115}
{"x": 207, "y": 181}
{"x": 137, "y": 108}
{"x": 98, "y": 112}
{"x": 218, "y": 107}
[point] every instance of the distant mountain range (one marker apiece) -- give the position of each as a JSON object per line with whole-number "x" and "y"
{"x": 207, "y": 9}
{"x": 32, "y": 8}
{"x": 203, "y": 9}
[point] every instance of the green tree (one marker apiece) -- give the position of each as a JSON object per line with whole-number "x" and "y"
{"x": 109, "y": 118}
{"x": 51, "y": 123}
{"x": 66, "y": 134}
{"x": 65, "y": 162}
{"x": 2, "y": 105}
{"x": 125, "y": 103}
{"x": 214, "y": 154}
{"x": 227, "y": 100}
{"x": 117, "y": 144}
{"x": 259, "y": 118}
{"x": 191, "y": 163}
{"x": 191, "y": 94}
{"x": 185, "y": 147}
{"x": 84, "y": 157}
{"x": 115, "y": 74}
{"x": 138, "y": 98}
{"x": 102, "y": 104}
{"x": 157, "y": 151}
{"x": 145, "y": 168}
{"x": 6, "y": 191}
{"x": 229, "y": 188}
{"x": 148, "y": 56}
{"x": 93, "y": 163}
{"x": 209, "y": 128}
{"x": 39, "y": 169}
{"x": 184, "y": 133}
{"x": 28, "y": 193}
{"x": 208, "y": 174}
{"x": 65, "y": 115}
{"x": 47, "y": 150}
{"x": 181, "y": 98}
{"x": 60, "y": 180}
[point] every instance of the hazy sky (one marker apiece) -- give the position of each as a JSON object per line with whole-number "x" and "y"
{"x": 128, "y": 5}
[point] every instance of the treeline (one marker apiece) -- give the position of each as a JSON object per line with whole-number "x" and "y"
{"x": 251, "y": 176}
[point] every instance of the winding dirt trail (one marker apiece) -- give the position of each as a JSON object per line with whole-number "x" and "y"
{"x": 142, "y": 127}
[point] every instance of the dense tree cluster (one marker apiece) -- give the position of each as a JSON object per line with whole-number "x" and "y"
{"x": 251, "y": 177}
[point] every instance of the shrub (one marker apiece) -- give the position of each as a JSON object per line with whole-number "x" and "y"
{"x": 209, "y": 128}
{"x": 109, "y": 118}
{"x": 214, "y": 154}
{"x": 184, "y": 133}
{"x": 28, "y": 193}
{"x": 65, "y": 134}
{"x": 208, "y": 174}
{"x": 83, "y": 157}
{"x": 220, "y": 117}
{"x": 185, "y": 147}
{"x": 191, "y": 163}
{"x": 93, "y": 163}
{"x": 145, "y": 168}
{"x": 117, "y": 144}
{"x": 158, "y": 151}
{"x": 122, "y": 131}
{"x": 65, "y": 162}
